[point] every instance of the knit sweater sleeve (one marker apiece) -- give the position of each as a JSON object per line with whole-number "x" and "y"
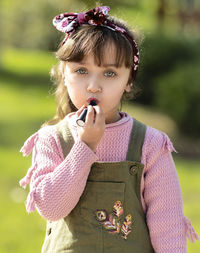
{"x": 162, "y": 196}
{"x": 56, "y": 184}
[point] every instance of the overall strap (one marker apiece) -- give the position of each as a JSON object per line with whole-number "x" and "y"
{"x": 136, "y": 141}
{"x": 65, "y": 136}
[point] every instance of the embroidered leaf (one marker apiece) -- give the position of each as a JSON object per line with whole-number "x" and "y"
{"x": 112, "y": 225}
{"x": 118, "y": 209}
{"x": 126, "y": 226}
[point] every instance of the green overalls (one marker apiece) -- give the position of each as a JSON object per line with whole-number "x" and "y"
{"x": 109, "y": 217}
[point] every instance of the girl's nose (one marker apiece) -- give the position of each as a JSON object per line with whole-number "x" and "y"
{"x": 94, "y": 86}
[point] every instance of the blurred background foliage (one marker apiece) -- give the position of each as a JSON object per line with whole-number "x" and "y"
{"x": 169, "y": 76}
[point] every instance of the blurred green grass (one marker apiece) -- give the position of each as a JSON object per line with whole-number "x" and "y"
{"x": 25, "y": 105}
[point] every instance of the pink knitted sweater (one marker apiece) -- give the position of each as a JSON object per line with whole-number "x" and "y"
{"x": 56, "y": 183}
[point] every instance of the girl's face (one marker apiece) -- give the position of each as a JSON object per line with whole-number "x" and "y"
{"x": 106, "y": 83}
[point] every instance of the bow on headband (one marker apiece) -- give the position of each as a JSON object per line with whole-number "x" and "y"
{"x": 68, "y": 22}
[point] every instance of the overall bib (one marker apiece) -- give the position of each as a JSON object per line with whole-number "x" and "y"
{"x": 109, "y": 217}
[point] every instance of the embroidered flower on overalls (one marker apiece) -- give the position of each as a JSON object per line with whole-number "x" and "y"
{"x": 101, "y": 215}
{"x": 111, "y": 222}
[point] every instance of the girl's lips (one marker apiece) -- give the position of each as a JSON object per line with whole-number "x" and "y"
{"x": 93, "y": 99}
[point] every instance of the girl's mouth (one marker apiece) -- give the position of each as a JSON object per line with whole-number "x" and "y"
{"x": 93, "y": 99}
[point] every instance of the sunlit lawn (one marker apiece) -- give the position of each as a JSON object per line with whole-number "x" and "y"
{"x": 23, "y": 109}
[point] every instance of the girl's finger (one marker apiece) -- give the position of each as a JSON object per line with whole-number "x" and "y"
{"x": 89, "y": 120}
{"x": 99, "y": 119}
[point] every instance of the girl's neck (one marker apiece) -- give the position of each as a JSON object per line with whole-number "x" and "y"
{"x": 114, "y": 118}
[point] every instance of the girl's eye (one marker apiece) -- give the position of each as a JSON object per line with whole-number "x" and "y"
{"x": 81, "y": 71}
{"x": 110, "y": 74}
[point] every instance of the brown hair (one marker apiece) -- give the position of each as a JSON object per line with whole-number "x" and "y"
{"x": 89, "y": 39}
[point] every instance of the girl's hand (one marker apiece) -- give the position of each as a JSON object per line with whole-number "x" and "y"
{"x": 94, "y": 127}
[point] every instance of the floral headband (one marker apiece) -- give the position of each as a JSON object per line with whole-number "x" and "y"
{"x": 68, "y": 22}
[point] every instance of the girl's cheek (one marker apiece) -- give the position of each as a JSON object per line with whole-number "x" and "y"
{"x": 69, "y": 77}
{"x": 75, "y": 78}
{"x": 71, "y": 81}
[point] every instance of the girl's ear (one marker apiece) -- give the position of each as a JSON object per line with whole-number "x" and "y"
{"x": 128, "y": 87}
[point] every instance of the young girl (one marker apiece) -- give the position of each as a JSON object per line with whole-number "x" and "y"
{"x": 110, "y": 185}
